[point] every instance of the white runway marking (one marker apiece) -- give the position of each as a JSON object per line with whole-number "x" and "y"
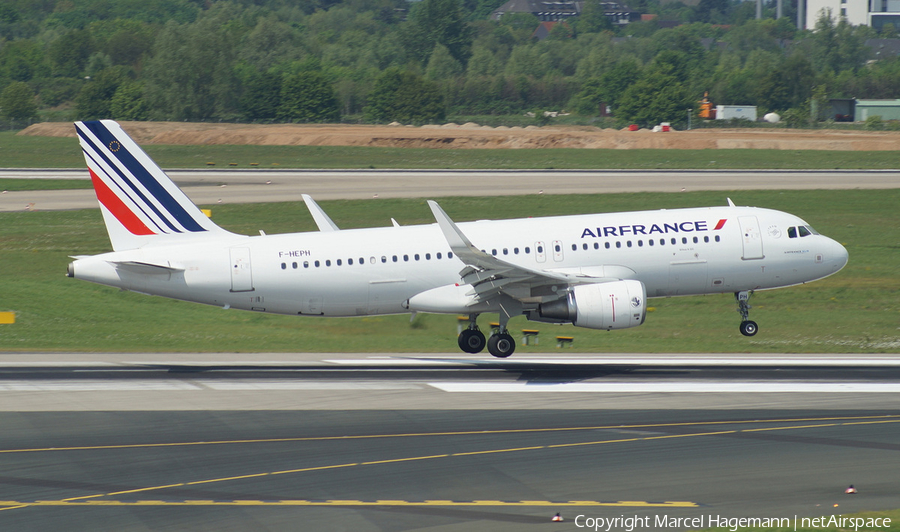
{"x": 690, "y": 360}
{"x": 669, "y": 387}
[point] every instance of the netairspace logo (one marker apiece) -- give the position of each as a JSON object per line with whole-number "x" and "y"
{"x": 733, "y": 524}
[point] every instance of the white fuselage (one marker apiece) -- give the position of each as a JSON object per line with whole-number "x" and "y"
{"x": 376, "y": 271}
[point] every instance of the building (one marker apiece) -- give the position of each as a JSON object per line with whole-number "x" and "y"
{"x": 873, "y": 13}
{"x": 886, "y": 109}
{"x": 561, "y": 10}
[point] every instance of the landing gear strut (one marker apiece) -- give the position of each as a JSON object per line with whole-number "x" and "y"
{"x": 748, "y": 327}
{"x": 471, "y": 340}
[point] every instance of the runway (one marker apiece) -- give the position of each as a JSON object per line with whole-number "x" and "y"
{"x": 383, "y": 443}
{"x": 210, "y": 187}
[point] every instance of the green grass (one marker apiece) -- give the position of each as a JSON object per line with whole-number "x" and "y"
{"x": 52, "y": 152}
{"x": 857, "y": 310}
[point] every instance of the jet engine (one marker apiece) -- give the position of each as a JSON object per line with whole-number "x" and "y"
{"x": 612, "y": 305}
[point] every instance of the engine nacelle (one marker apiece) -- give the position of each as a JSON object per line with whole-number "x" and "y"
{"x": 613, "y": 305}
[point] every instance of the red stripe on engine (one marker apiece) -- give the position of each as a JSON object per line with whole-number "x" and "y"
{"x": 114, "y": 205}
{"x": 720, "y": 224}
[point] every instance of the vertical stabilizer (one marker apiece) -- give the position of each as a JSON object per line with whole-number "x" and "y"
{"x": 140, "y": 203}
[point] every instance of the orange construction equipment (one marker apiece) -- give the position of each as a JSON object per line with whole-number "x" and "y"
{"x": 706, "y": 108}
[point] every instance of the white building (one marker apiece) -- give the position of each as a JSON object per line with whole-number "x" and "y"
{"x": 874, "y": 13}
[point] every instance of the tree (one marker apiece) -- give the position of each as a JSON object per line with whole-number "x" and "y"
{"x": 262, "y": 95}
{"x": 404, "y": 97}
{"x": 94, "y": 100}
{"x": 128, "y": 102}
{"x": 659, "y": 95}
{"x": 434, "y": 22}
{"x": 191, "y": 74}
{"x": 592, "y": 18}
{"x": 441, "y": 65}
{"x": 70, "y": 53}
{"x": 308, "y": 97}
{"x": 17, "y": 102}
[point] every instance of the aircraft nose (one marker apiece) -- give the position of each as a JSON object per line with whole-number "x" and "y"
{"x": 837, "y": 255}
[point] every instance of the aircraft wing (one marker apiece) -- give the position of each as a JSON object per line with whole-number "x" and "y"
{"x": 490, "y": 276}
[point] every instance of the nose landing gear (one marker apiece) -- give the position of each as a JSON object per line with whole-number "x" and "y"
{"x": 748, "y": 326}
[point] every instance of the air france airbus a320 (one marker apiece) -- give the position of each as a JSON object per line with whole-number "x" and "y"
{"x": 593, "y": 270}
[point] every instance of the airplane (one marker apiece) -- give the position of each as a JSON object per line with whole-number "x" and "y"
{"x": 592, "y": 270}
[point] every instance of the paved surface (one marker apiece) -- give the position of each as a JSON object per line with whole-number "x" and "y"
{"x": 380, "y": 443}
{"x": 211, "y": 187}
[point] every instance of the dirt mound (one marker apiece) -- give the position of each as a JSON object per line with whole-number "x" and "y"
{"x": 472, "y": 136}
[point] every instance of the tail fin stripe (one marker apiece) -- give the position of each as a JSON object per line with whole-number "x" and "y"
{"x": 108, "y": 167}
{"x": 113, "y": 200}
{"x": 118, "y": 209}
{"x": 140, "y": 173}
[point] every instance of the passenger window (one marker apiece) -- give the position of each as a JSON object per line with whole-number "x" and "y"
{"x": 718, "y": 239}
{"x": 606, "y": 245}
{"x": 629, "y": 243}
{"x": 338, "y": 262}
{"x": 596, "y": 245}
{"x": 283, "y": 265}
{"x": 306, "y": 264}
{"x": 294, "y": 265}
{"x": 557, "y": 248}
{"x": 684, "y": 240}
{"x": 505, "y": 251}
{"x": 696, "y": 240}
{"x": 640, "y": 243}
{"x": 416, "y": 256}
{"x": 405, "y": 258}
{"x": 651, "y": 242}
{"x": 618, "y": 244}
{"x": 706, "y": 239}
{"x": 428, "y": 256}
{"x": 449, "y": 254}
{"x": 361, "y": 261}
{"x": 438, "y": 255}
{"x": 516, "y": 251}
{"x": 317, "y": 264}
{"x": 384, "y": 259}
{"x": 674, "y": 241}
{"x": 394, "y": 258}
{"x": 527, "y": 250}
{"x": 350, "y": 262}
{"x": 328, "y": 262}
{"x": 540, "y": 249}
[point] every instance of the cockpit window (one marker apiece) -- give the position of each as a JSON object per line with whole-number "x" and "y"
{"x": 801, "y": 231}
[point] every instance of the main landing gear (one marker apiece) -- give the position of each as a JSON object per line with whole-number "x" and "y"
{"x": 748, "y": 327}
{"x": 501, "y": 344}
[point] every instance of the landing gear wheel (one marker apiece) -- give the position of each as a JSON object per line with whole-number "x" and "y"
{"x": 471, "y": 341}
{"x": 749, "y": 328}
{"x": 501, "y": 345}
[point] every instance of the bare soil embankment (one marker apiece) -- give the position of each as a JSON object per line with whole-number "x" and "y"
{"x": 473, "y": 136}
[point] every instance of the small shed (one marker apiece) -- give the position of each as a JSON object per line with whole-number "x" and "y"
{"x": 886, "y": 109}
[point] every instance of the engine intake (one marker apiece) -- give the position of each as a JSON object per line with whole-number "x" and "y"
{"x": 607, "y": 306}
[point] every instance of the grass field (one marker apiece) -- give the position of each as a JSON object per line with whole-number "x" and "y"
{"x": 53, "y": 152}
{"x": 857, "y": 310}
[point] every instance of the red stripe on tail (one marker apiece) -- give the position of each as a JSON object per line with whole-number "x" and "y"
{"x": 114, "y": 205}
